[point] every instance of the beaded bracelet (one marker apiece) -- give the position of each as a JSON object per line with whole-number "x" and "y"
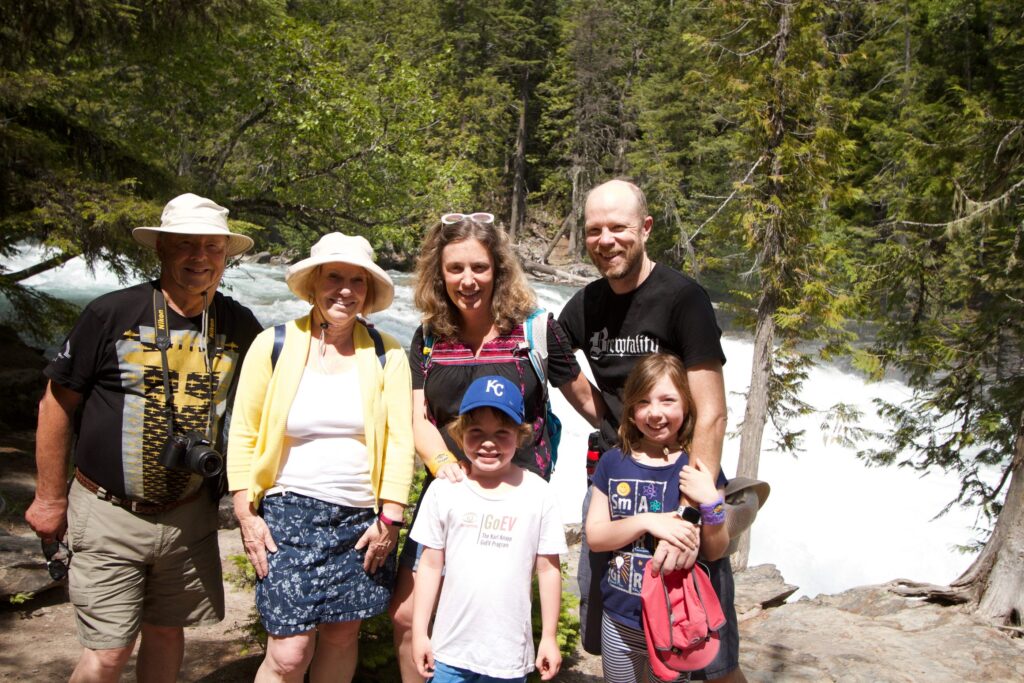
{"x": 712, "y": 514}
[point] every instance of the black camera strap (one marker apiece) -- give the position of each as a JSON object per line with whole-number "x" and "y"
{"x": 163, "y": 342}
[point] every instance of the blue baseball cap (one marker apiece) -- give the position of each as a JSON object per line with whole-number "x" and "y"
{"x": 495, "y": 392}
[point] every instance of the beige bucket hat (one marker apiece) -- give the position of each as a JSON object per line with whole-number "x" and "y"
{"x": 190, "y": 214}
{"x": 743, "y": 498}
{"x": 334, "y": 247}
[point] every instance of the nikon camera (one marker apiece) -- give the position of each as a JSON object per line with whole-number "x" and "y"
{"x": 192, "y": 452}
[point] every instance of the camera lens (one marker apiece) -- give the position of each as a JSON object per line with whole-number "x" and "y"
{"x": 205, "y": 461}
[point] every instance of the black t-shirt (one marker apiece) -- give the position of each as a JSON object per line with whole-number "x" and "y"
{"x": 111, "y": 358}
{"x": 668, "y": 312}
{"x": 452, "y": 368}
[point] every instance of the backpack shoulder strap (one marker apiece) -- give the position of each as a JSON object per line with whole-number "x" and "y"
{"x": 378, "y": 342}
{"x": 275, "y": 352}
{"x": 536, "y": 330}
{"x": 429, "y": 339}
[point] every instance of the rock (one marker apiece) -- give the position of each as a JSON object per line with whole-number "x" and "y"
{"x": 761, "y": 587}
{"x": 870, "y": 634}
{"x": 22, "y": 379}
{"x": 22, "y": 566}
{"x": 226, "y": 514}
{"x": 573, "y": 534}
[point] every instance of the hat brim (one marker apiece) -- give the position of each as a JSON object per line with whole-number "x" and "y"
{"x": 744, "y": 497}
{"x": 697, "y": 658}
{"x": 237, "y": 244}
{"x": 299, "y": 274}
{"x": 466, "y": 407}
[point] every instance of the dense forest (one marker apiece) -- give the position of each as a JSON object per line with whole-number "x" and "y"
{"x": 828, "y": 164}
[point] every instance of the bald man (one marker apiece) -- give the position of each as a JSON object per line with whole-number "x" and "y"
{"x": 640, "y": 307}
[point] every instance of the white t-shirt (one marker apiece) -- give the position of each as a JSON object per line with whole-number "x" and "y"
{"x": 491, "y": 544}
{"x": 325, "y": 448}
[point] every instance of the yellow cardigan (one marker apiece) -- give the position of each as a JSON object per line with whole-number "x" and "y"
{"x": 264, "y": 396}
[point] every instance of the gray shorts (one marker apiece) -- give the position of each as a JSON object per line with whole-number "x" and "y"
{"x": 129, "y": 569}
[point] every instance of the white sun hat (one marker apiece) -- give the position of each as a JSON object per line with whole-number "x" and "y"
{"x": 334, "y": 247}
{"x": 190, "y": 214}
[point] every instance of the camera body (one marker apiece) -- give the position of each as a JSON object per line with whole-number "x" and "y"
{"x": 192, "y": 452}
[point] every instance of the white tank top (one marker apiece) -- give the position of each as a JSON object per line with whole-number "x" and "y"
{"x": 325, "y": 453}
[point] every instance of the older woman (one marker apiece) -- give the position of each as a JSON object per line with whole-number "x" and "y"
{"x": 320, "y": 461}
{"x": 474, "y": 299}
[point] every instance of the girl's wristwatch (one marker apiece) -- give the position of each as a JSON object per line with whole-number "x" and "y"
{"x": 689, "y": 514}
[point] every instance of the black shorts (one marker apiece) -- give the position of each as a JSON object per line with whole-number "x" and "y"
{"x": 720, "y": 572}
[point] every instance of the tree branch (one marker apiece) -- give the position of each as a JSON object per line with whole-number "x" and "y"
{"x": 727, "y": 199}
{"x": 979, "y": 209}
{"x": 254, "y": 117}
{"x": 41, "y": 267}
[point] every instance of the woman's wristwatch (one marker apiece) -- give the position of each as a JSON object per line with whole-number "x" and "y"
{"x": 398, "y": 524}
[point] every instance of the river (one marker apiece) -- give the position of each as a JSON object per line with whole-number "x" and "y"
{"x": 831, "y": 522}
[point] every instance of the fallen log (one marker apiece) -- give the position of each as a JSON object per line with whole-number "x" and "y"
{"x": 563, "y": 276}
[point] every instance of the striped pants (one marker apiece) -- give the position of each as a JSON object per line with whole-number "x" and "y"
{"x": 624, "y": 655}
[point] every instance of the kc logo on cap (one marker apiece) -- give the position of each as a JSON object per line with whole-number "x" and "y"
{"x": 495, "y": 392}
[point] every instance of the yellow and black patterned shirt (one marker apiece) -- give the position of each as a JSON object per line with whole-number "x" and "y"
{"x": 111, "y": 358}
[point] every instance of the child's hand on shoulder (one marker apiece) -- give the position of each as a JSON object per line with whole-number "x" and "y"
{"x": 697, "y": 484}
{"x": 549, "y": 658}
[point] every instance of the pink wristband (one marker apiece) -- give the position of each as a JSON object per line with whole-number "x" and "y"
{"x": 398, "y": 524}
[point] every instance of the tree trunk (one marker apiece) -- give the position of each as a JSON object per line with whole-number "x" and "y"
{"x": 519, "y": 165}
{"x": 576, "y": 242}
{"x": 566, "y": 224}
{"x": 996, "y": 577}
{"x": 756, "y": 413}
{"x": 994, "y": 583}
{"x": 772, "y": 253}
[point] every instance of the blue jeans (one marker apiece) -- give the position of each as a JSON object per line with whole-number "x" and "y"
{"x": 450, "y": 674}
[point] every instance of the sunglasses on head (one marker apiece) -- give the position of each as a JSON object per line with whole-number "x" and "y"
{"x": 58, "y": 559}
{"x": 479, "y": 217}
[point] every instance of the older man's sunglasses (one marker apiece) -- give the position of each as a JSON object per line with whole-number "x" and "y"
{"x": 58, "y": 559}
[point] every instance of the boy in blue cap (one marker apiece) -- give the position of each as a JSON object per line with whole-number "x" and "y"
{"x": 488, "y": 533}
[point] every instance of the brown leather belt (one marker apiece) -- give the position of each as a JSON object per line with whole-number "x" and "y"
{"x": 137, "y": 506}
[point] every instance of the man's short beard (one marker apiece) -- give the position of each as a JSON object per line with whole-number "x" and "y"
{"x": 634, "y": 263}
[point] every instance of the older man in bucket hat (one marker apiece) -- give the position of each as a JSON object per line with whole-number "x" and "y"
{"x": 143, "y": 382}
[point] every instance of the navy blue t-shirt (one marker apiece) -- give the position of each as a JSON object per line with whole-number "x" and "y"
{"x": 633, "y": 488}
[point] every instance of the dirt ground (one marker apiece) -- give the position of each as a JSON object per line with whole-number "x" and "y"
{"x": 38, "y": 640}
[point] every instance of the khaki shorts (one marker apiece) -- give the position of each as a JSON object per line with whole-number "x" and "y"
{"x": 129, "y": 569}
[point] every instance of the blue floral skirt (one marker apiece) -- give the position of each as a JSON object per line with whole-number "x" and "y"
{"x": 317, "y": 576}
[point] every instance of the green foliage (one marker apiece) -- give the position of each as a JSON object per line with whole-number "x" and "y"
{"x": 942, "y": 174}
{"x": 242, "y": 574}
{"x": 568, "y": 623}
{"x": 821, "y": 161}
{"x": 21, "y": 598}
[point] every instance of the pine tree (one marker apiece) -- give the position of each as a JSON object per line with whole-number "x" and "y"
{"x": 746, "y": 116}
{"x": 943, "y": 209}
